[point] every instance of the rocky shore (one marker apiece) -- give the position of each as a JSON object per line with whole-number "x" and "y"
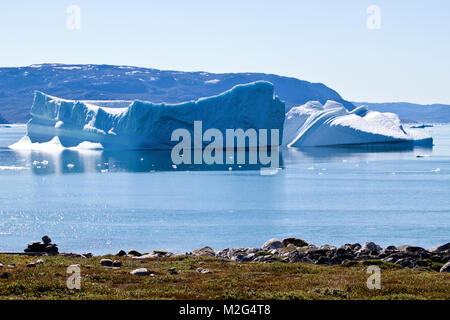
{"x": 294, "y": 250}
{"x": 289, "y": 250}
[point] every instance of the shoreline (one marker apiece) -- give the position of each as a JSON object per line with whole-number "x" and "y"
{"x": 290, "y": 250}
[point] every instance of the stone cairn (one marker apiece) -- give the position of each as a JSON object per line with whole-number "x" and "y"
{"x": 46, "y": 246}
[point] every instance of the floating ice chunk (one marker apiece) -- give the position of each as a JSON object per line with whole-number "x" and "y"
{"x": 13, "y": 168}
{"x": 70, "y": 165}
{"x": 26, "y": 144}
{"x": 312, "y": 125}
{"x": 436, "y": 170}
{"x": 53, "y": 145}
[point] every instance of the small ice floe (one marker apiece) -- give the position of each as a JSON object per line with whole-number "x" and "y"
{"x": 320, "y": 173}
{"x": 312, "y": 168}
{"x": 422, "y": 155}
{"x": 39, "y": 164}
{"x": 70, "y": 165}
{"x": 104, "y": 170}
{"x": 230, "y": 168}
{"x": 12, "y": 168}
{"x": 174, "y": 166}
{"x": 436, "y": 170}
{"x": 345, "y": 160}
{"x": 142, "y": 159}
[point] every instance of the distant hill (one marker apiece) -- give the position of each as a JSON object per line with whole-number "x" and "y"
{"x": 411, "y": 112}
{"x": 108, "y": 82}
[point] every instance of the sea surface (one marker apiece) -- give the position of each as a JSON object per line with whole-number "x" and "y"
{"x": 103, "y": 201}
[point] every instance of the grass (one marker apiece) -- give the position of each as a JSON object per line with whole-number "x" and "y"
{"x": 228, "y": 280}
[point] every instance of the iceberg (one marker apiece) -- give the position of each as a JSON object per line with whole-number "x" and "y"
{"x": 314, "y": 125}
{"x": 146, "y": 125}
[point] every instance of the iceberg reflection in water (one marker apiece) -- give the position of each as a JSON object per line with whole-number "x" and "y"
{"x": 104, "y": 161}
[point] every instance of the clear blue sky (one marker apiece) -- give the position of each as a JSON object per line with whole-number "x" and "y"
{"x": 407, "y": 59}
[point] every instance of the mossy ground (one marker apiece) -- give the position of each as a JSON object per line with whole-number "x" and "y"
{"x": 228, "y": 280}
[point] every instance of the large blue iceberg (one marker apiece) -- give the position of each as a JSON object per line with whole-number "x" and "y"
{"x": 145, "y": 125}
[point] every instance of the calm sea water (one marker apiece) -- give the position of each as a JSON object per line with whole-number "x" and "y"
{"x": 103, "y": 201}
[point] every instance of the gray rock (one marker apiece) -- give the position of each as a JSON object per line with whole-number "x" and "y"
{"x": 249, "y": 257}
{"x": 295, "y": 256}
{"x": 162, "y": 254}
{"x": 116, "y": 264}
{"x": 405, "y": 262}
{"x": 4, "y": 275}
{"x": 121, "y": 253}
{"x": 412, "y": 249}
{"x": 173, "y": 270}
{"x": 370, "y": 246}
{"x": 140, "y": 272}
{"x": 46, "y": 240}
{"x": 238, "y": 257}
{"x": 440, "y": 248}
{"x": 12, "y": 265}
{"x": 56, "y": 274}
{"x": 203, "y": 271}
{"x": 31, "y": 265}
{"x": 40, "y": 261}
{"x": 272, "y": 244}
{"x": 295, "y": 241}
{"x": 445, "y": 267}
{"x": 327, "y": 247}
{"x": 106, "y": 262}
{"x": 134, "y": 253}
{"x": 1, "y": 265}
{"x": 205, "y": 251}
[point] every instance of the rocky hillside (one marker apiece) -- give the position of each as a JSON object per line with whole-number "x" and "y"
{"x": 108, "y": 82}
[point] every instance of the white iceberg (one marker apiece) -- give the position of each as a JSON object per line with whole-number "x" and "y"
{"x": 145, "y": 125}
{"x": 314, "y": 124}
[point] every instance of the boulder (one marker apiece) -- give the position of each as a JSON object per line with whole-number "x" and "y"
{"x": 295, "y": 256}
{"x": 116, "y": 264}
{"x": 140, "y": 272}
{"x": 205, "y": 251}
{"x": 173, "y": 271}
{"x": 445, "y": 267}
{"x": 121, "y": 253}
{"x": 106, "y": 262}
{"x": 440, "y": 248}
{"x": 411, "y": 249}
{"x": 370, "y": 246}
{"x": 295, "y": 241}
{"x": 134, "y": 253}
{"x": 272, "y": 244}
{"x": 46, "y": 240}
{"x": 4, "y": 275}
